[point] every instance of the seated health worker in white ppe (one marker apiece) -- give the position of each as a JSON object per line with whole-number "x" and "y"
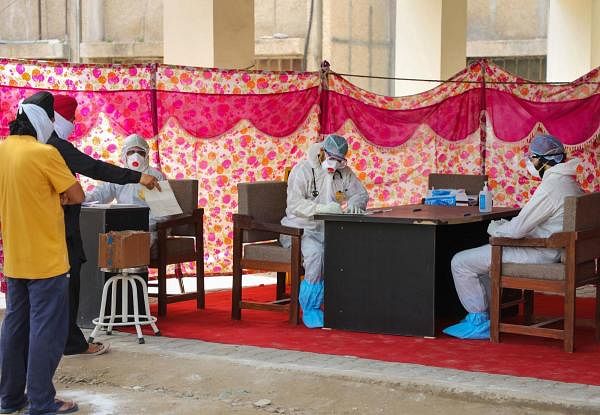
{"x": 539, "y": 218}
{"x": 319, "y": 184}
{"x": 135, "y": 156}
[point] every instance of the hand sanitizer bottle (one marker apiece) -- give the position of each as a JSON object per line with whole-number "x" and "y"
{"x": 485, "y": 199}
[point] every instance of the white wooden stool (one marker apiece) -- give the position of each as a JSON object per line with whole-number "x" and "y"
{"x": 126, "y": 277}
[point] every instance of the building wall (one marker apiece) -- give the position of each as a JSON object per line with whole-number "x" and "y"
{"x": 111, "y": 30}
{"x": 354, "y": 35}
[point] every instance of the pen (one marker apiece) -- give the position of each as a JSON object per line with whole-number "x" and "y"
{"x": 380, "y": 210}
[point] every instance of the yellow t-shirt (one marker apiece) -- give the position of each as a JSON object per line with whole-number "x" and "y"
{"x": 32, "y": 175}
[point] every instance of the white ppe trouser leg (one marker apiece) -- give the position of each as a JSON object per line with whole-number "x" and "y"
{"x": 471, "y": 272}
{"x": 312, "y": 253}
{"x": 311, "y": 292}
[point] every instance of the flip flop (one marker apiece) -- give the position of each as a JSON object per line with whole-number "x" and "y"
{"x": 16, "y": 408}
{"x": 104, "y": 347}
{"x": 71, "y": 406}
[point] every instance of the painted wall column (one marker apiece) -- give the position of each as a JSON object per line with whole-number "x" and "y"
{"x": 209, "y": 33}
{"x": 573, "y": 39}
{"x": 431, "y": 42}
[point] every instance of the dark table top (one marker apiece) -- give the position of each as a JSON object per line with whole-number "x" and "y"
{"x": 424, "y": 215}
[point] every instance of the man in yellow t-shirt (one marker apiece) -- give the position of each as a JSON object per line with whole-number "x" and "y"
{"x": 34, "y": 181}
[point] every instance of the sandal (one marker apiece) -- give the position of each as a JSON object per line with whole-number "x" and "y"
{"x": 101, "y": 348}
{"x": 65, "y": 407}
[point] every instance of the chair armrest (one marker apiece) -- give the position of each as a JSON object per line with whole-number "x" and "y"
{"x": 523, "y": 242}
{"x": 196, "y": 216}
{"x": 246, "y": 222}
{"x": 559, "y": 239}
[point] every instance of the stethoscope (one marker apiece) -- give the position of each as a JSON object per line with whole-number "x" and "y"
{"x": 315, "y": 192}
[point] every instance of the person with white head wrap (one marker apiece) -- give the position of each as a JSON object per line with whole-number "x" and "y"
{"x": 319, "y": 184}
{"x": 135, "y": 156}
{"x": 34, "y": 182}
{"x": 539, "y": 218}
{"x": 38, "y": 111}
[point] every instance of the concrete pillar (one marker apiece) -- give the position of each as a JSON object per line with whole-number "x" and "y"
{"x": 313, "y": 53}
{"x": 92, "y": 13}
{"x": 73, "y": 35}
{"x": 209, "y": 33}
{"x": 573, "y": 38}
{"x": 431, "y": 42}
{"x": 595, "y": 33}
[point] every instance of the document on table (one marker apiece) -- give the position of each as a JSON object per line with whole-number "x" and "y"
{"x": 163, "y": 202}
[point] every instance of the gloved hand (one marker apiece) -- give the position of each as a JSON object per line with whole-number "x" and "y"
{"x": 331, "y": 207}
{"x": 494, "y": 225}
{"x": 355, "y": 210}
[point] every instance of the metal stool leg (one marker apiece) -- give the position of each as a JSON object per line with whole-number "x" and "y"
{"x": 101, "y": 317}
{"x": 124, "y": 298}
{"x": 147, "y": 305}
{"x": 136, "y": 311}
{"x": 113, "y": 303}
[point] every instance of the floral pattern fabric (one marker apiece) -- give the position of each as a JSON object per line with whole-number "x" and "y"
{"x": 225, "y": 127}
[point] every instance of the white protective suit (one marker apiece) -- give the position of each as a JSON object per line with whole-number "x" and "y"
{"x": 132, "y": 193}
{"x": 540, "y": 217}
{"x": 302, "y": 205}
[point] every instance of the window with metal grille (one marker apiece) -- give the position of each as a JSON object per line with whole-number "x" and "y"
{"x": 532, "y": 68}
{"x": 278, "y": 63}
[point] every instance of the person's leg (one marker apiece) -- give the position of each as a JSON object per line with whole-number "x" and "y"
{"x": 76, "y": 341}
{"x": 470, "y": 270}
{"x": 467, "y": 268}
{"x": 14, "y": 342}
{"x": 49, "y": 324}
{"x": 311, "y": 288}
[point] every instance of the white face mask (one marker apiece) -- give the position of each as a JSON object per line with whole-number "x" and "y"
{"x": 62, "y": 126}
{"x": 532, "y": 170}
{"x": 137, "y": 162}
{"x": 330, "y": 165}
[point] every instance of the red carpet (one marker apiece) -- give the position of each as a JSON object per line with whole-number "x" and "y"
{"x": 517, "y": 355}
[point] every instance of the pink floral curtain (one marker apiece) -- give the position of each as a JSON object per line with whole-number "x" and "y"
{"x": 223, "y": 127}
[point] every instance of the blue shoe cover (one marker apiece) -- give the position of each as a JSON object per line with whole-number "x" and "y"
{"x": 313, "y": 319}
{"x": 311, "y": 299}
{"x": 474, "y": 326}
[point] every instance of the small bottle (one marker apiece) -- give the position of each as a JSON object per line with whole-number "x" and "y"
{"x": 485, "y": 199}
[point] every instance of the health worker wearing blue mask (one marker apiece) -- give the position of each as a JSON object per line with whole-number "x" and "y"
{"x": 540, "y": 217}
{"x": 321, "y": 183}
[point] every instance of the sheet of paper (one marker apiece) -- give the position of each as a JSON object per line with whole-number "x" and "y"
{"x": 162, "y": 203}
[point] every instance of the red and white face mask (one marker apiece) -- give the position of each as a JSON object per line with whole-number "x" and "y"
{"x": 137, "y": 162}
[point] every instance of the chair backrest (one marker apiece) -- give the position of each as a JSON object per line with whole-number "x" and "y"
{"x": 186, "y": 193}
{"x": 472, "y": 183}
{"x": 265, "y": 202}
{"x": 581, "y": 212}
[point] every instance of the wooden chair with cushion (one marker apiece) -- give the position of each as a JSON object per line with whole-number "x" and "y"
{"x": 472, "y": 183}
{"x": 180, "y": 239}
{"x": 580, "y": 240}
{"x": 256, "y": 230}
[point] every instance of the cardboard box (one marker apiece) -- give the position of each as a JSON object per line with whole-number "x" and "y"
{"x": 123, "y": 249}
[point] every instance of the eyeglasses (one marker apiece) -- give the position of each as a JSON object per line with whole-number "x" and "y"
{"x": 134, "y": 151}
{"x": 343, "y": 162}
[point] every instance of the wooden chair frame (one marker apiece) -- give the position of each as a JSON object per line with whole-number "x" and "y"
{"x": 242, "y": 223}
{"x": 581, "y": 249}
{"x": 165, "y": 258}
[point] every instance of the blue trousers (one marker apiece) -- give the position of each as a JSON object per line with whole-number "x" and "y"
{"x": 34, "y": 333}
